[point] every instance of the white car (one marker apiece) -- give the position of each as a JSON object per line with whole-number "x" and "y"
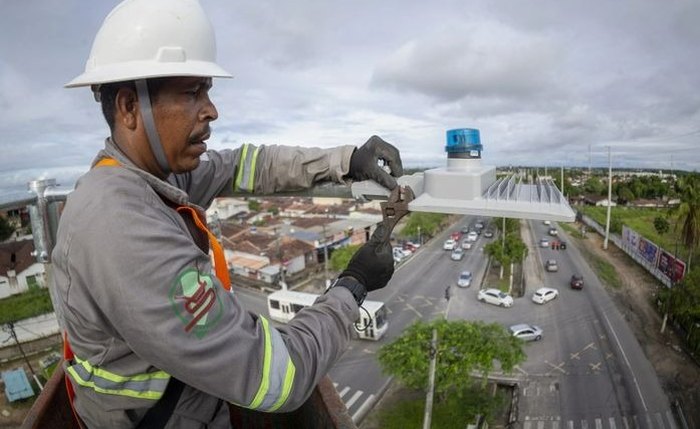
{"x": 400, "y": 254}
{"x": 544, "y": 294}
{"x": 495, "y": 297}
{"x": 466, "y": 244}
{"x": 449, "y": 244}
{"x": 551, "y": 266}
{"x": 526, "y": 332}
{"x": 465, "y": 279}
{"x": 544, "y": 242}
{"x": 546, "y": 222}
{"x": 457, "y": 254}
{"x": 472, "y": 236}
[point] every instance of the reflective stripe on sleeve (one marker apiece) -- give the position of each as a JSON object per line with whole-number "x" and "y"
{"x": 143, "y": 386}
{"x": 278, "y": 372}
{"x": 245, "y": 179}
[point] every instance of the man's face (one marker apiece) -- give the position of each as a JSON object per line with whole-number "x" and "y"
{"x": 182, "y": 111}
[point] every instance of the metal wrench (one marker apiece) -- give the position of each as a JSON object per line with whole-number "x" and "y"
{"x": 395, "y": 208}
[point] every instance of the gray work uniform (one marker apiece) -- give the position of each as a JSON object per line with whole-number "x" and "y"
{"x": 140, "y": 302}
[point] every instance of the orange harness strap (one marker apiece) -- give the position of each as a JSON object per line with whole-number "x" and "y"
{"x": 220, "y": 268}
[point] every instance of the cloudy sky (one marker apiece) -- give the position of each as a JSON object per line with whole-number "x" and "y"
{"x": 543, "y": 81}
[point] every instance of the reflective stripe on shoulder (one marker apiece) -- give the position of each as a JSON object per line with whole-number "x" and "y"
{"x": 245, "y": 179}
{"x": 278, "y": 372}
{"x": 143, "y": 386}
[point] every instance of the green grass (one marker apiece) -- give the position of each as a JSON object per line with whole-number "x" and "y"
{"x": 605, "y": 271}
{"x": 452, "y": 412}
{"x": 642, "y": 221}
{"x": 25, "y": 305}
{"x": 569, "y": 228}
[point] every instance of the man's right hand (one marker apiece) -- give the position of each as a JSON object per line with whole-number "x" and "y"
{"x": 373, "y": 264}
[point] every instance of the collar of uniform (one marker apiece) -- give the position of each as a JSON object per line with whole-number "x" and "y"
{"x": 162, "y": 187}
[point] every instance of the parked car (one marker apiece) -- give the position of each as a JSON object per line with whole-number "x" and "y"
{"x": 553, "y": 232}
{"x": 449, "y": 244}
{"x": 576, "y": 282}
{"x": 465, "y": 279}
{"x": 526, "y": 332}
{"x": 457, "y": 254}
{"x": 544, "y": 242}
{"x": 495, "y": 297}
{"x": 551, "y": 265}
{"x": 472, "y": 236}
{"x": 400, "y": 254}
{"x": 488, "y": 233}
{"x": 466, "y": 244}
{"x": 544, "y": 294}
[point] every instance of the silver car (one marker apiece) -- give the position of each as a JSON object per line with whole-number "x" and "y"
{"x": 526, "y": 332}
{"x": 465, "y": 279}
{"x": 457, "y": 254}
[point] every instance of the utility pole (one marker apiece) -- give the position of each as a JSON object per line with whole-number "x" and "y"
{"x": 607, "y": 217}
{"x": 562, "y": 180}
{"x": 431, "y": 382}
{"x": 10, "y": 327}
{"x": 325, "y": 256}
{"x": 503, "y": 244}
{"x": 283, "y": 281}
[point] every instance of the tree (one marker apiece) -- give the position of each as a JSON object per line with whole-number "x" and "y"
{"x": 594, "y": 186}
{"x": 341, "y": 257}
{"x": 254, "y": 205}
{"x": 661, "y": 225}
{"x": 689, "y": 213}
{"x": 6, "y": 229}
{"x": 428, "y": 223}
{"x": 464, "y": 348}
{"x": 683, "y": 299}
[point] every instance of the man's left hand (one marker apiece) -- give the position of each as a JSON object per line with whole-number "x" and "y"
{"x": 364, "y": 163}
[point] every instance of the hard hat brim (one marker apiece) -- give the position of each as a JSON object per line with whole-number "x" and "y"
{"x": 134, "y": 70}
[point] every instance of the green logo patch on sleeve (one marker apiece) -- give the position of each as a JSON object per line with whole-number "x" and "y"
{"x": 196, "y": 302}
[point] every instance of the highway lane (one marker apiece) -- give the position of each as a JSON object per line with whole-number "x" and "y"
{"x": 415, "y": 292}
{"x": 588, "y": 371}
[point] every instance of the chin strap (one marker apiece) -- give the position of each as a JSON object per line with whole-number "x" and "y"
{"x": 150, "y": 124}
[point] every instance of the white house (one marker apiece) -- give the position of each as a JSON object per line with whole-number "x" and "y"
{"x": 19, "y": 270}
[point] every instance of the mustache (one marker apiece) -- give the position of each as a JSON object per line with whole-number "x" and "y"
{"x": 201, "y": 135}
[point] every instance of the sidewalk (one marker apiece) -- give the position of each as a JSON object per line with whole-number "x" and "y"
{"x": 532, "y": 265}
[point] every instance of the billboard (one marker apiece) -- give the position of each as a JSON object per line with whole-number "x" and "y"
{"x": 648, "y": 250}
{"x": 630, "y": 237}
{"x": 671, "y": 267}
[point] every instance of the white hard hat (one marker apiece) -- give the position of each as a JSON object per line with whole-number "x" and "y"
{"x": 143, "y": 39}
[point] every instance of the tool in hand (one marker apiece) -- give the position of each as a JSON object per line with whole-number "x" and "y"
{"x": 395, "y": 208}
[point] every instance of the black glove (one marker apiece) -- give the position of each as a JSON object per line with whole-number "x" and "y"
{"x": 363, "y": 163}
{"x": 373, "y": 264}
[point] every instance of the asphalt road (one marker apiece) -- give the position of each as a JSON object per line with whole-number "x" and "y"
{"x": 588, "y": 371}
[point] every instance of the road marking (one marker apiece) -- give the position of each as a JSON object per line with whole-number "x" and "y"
{"x": 595, "y": 366}
{"x": 559, "y": 367}
{"x": 354, "y": 398}
{"x": 410, "y": 307}
{"x": 584, "y": 424}
{"x": 624, "y": 420}
{"x": 335, "y": 385}
{"x": 660, "y": 419}
{"x": 590, "y": 346}
{"x": 521, "y": 370}
{"x": 624, "y": 355}
{"x": 369, "y": 351}
{"x": 570, "y": 425}
{"x": 598, "y": 424}
{"x": 363, "y": 408}
{"x": 574, "y": 356}
{"x": 649, "y": 425}
{"x": 612, "y": 424}
{"x": 608, "y": 356}
{"x": 344, "y": 391}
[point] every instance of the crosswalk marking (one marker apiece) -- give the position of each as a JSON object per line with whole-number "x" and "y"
{"x": 598, "y": 424}
{"x": 584, "y": 424}
{"x": 343, "y": 392}
{"x": 540, "y": 425}
{"x": 612, "y": 423}
{"x": 354, "y": 398}
{"x": 652, "y": 420}
{"x": 624, "y": 420}
{"x": 649, "y": 425}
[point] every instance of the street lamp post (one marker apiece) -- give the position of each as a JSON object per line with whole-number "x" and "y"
{"x": 420, "y": 237}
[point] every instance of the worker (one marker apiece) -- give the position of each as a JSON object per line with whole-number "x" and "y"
{"x": 153, "y": 337}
